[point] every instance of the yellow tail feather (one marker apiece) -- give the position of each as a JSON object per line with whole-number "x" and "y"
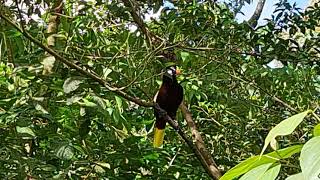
{"x": 158, "y": 137}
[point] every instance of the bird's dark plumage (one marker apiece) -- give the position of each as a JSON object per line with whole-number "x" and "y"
{"x": 169, "y": 97}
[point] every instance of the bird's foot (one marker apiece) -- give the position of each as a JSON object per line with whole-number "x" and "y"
{"x": 161, "y": 112}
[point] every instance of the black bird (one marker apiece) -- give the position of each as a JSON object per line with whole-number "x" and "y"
{"x": 169, "y": 98}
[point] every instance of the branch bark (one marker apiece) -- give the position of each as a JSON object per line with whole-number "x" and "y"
{"x": 53, "y": 25}
{"x": 134, "y": 11}
{"x": 199, "y": 143}
{"x": 211, "y": 169}
{"x": 253, "y": 21}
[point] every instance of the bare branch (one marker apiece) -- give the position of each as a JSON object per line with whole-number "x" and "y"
{"x": 196, "y": 150}
{"x": 199, "y": 143}
{"x": 253, "y": 21}
{"x": 134, "y": 11}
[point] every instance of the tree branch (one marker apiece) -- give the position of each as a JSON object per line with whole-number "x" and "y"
{"x": 196, "y": 150}
{"x": 137, "y": 19}
{"x": 134, "y": 11}
{"x": 253, "y": 21}
{"x": 199, "y": 143}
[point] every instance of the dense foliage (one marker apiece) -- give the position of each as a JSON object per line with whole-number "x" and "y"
{"x": 58, "y": 123}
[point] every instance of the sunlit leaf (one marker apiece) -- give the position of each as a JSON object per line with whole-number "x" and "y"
{"x": 65, "y": 152}
{"x": 316, "y": 130}
{"x": 298, "y": 176}
{"x": 103, "y": 164}
{"x": 256, "y": 173}
{"x": 71, "y": 84}
{"x": 272, "y": 173}
{"x": 310, "y": 159}
{"x": 256, "y": 161}
{"x": 285, "y": 127}
{"x": 25, "y": 130}
{"x": 48, "y": 63}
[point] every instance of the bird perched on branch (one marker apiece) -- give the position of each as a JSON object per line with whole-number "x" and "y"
{"x": 169, "y": 98}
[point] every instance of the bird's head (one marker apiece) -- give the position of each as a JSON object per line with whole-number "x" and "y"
{"x": 171, "y": 72}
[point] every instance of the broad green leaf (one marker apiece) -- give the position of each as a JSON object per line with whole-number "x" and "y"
{"x": 310, "y": 159}
{"x": 99, "y": 102}
{"x": 11, "y": 87}
{"x": 71, "y": 84}
{"x": 274, "y": 144}
{"x": 184, "y": 56}
{"x": 285, "y": 127}
{"x": 89, "y": 103}
{"x": 255, "y": 161}
{"x": 106, "y": 72}
{"x": 256, "y": 173}
{"x": 40, "y": 108}
{"x": 167, "y": 64}
{"x": 98, "y": 169}
{"x": 152, "y": 156}
{"x": 298, "y": 176}
{"x": 25, "y": 130}
{"x": 48, "y": 63}
{"x": 65, "y": 152}
{"x": 272, "y": 173}
{"x": 80, "y": 149}
{"x": 316, "y": 130}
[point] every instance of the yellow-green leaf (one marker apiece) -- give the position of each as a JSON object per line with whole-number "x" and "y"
{"x": 285, "y": 127}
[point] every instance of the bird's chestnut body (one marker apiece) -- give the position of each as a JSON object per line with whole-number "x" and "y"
{"x": 169, "y": 98}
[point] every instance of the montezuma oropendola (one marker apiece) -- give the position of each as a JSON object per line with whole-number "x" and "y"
{"x": 169, "y": 98}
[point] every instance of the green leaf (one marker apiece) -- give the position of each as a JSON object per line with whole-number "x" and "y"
{"x": 285, "y": 127}
{"x": 298, "y": 176}
{"x": 168, "y": 64}
{"x": 106, "y": 72}
{"x": 71, "y": 84}
{"x": 103, "y": 164}
{"x": 256, "y": 161}
{"x": 256, "y": 173}
{"x": 65, "y": 152}
{"x": 47, "y": 167}
{"x": 25, "y": 130}
{"x": 153, "y": 156}
{"x": 119, "y": 103}
{"x": 184, "y": 56}
{"x": 11, "y": 87}
{"x": 310, "y": 159}
{"x": 316, "y": 130}
{"x": 48, "y": 63}
{"x": 99, "y": 102}
{"x": 272, "y": 173}
{"x": 40, "y": 108}
{"x": 89, "y": 103}
{"x": 98, "y": 169}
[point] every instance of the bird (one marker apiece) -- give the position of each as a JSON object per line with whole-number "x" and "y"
{"x": 169, "y": 98}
